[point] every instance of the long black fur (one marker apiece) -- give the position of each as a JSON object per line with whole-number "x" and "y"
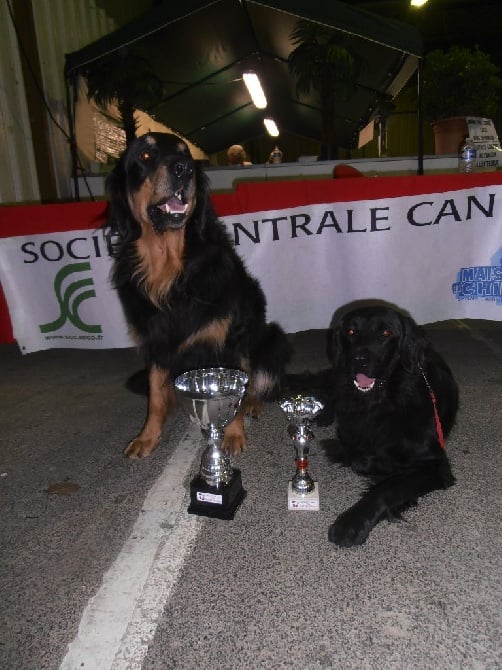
{"x": 387, "y": 432}
{"x": 213, "y": 283}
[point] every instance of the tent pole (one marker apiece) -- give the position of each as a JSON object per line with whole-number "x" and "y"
{"x": 420, "y": 167}
{"x": 70, "y": 111}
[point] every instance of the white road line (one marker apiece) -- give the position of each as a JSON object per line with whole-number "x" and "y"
{"x": 120, "y": 621}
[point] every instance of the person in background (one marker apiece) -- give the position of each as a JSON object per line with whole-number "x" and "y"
{"x": 237, "y": 156}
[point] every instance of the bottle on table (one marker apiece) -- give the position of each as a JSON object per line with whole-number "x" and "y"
{"x": 276, "y": 155}
{"x": 467, "y": 156}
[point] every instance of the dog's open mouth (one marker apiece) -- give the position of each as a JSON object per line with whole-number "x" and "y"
{"x": 174, "y": 206}
{"x": 364, "y": 383}
{"x": 170, "y": 212}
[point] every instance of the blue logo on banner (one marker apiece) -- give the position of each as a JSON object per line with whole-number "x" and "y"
{"x": 480, "y": 282}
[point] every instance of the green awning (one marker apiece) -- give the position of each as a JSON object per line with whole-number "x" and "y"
{"x": 199, "y": 50}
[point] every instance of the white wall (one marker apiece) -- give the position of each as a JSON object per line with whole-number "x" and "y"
{"x": 18, "y": 176}
{"x": 62, "y": 26}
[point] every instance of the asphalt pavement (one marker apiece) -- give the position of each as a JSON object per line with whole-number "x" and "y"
{"x": 102, "y": 567}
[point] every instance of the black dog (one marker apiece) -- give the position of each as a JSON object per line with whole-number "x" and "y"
{"x": 394, "y": 400}
{"x": 186, "y": 294}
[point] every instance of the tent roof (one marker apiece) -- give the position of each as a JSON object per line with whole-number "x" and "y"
{"x": 199, "y": 49}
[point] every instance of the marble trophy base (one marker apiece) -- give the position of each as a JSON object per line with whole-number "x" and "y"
{"x": 303, "y": 501}
{"x": 218, "y": 502}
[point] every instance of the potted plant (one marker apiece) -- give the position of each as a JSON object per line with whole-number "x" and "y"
{"x": 457, "y": 83}
{"x": 126, "y": 79}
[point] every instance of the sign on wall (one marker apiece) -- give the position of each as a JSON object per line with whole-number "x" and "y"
{"x": 484, "y": 137}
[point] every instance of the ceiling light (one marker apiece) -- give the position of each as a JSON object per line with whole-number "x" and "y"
{"x": 417, "y": 3}
{"x": 255, "y": 90}
{"x": 271, "y": 127}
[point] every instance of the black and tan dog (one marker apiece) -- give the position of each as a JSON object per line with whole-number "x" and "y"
{"x": 394, "y": 401}
{"x": 186, "y": 294}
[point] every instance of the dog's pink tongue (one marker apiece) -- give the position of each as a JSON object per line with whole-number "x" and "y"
{"x": 175, "y": 205}
{"x": 172, "y": 206}
{"x": 364, "y": 381}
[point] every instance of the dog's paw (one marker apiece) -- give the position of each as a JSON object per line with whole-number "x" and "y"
{"x": 141, "y": 447}
{"x": 234, "y": 440}
{"x": 349, "y": 530}
{"x": 252, "y": 407}
{"x": 233, "y": 444}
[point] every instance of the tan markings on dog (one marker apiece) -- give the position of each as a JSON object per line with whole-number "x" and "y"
{"x": 160, "y": 261}
{"x": 161, "y": 400}
{"x": 214, "y": 333}
{"x": 139, "y": 200}
{"x": 251, "y": 403}
{"x": 234, "y": 440}
{"x": 252, "y": 406}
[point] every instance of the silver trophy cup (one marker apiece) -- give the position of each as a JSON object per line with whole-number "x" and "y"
{"x": 303, "y": 492}
{"x": 211, "y": 397}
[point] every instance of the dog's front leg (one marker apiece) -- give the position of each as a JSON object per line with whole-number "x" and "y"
{"x": 160, "y": 402}
{"x": 354, "y": 525}
{"x": 235, "y": 439}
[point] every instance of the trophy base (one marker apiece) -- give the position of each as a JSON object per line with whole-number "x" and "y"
{"x": 219, "y": 503}
{"x": 303, "y": 501}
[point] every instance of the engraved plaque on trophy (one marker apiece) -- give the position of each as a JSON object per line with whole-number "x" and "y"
{"x": 211, "y": 397}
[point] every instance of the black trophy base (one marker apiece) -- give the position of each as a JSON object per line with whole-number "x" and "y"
{"x": 219, "y": 503}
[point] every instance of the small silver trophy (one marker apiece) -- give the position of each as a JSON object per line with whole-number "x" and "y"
{"x": 211, "y": 398}
{"x": 303, "y": 491}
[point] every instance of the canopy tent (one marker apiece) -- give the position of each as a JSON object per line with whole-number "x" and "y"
{"x": 199, "y": 49}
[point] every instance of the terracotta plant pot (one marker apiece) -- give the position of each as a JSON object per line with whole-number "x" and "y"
{"x": 448, "y": 134}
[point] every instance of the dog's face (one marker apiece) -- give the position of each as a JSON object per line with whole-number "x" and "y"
{"x": 158, "y": 176}
{"x": 370, "y": 343}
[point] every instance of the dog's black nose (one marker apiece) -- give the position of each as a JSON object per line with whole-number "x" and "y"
{"x": 361, "y": 357}
{"x": 182, "y": 169}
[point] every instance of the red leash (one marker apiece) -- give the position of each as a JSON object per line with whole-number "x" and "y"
{"x": 439, "y": 427}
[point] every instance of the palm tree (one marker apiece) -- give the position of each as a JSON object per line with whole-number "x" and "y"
{"x": 127, "y": 80}
{"x": 320, "y": 62}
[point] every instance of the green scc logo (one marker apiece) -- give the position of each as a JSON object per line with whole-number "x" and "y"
{"x": 70, "y": 299}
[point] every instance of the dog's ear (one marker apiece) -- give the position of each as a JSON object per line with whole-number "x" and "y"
{"x": 334, "y": 342}
{"x": 412, "y": 345}
{"x": 120, "y": 220}
{"x": 204, "y": 210}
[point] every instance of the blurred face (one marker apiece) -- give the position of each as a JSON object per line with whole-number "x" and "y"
{"x": 236, "y": 155}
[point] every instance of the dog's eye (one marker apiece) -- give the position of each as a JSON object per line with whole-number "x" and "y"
{"x": 145, "y": 155}
{"x": 386, "y": 332}
{"x": 351, "y": 332}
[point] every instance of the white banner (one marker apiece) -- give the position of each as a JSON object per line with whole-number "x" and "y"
{"x": 59, "y": 294}
{"x": 438, "y": 256}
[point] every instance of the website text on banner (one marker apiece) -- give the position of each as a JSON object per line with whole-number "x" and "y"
{"x": 432, "y": 246}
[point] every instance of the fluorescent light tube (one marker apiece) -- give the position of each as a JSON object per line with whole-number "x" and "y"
{"x": 271, "y": 127}
{"x": 255, "y": 90}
